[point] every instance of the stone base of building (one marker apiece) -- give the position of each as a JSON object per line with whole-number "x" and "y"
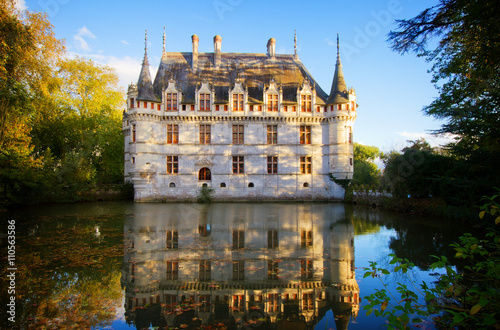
{"x": 148, "y": 194}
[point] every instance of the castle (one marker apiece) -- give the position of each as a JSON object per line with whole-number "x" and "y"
{"x": 247, "y": 126}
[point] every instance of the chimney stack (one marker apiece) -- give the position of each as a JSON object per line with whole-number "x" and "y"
{"x": 194, "y": 63}
{"x": 217, "y": 51}
{"x": 271, "y": 48}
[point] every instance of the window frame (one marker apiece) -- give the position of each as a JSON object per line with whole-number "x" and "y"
{"x": 305, "y": 134}
{"x": 238, "y": 134}
{"x": 205, "y": 133}
{"x": 238, "y": 164}
{"x": 272, "y": 164}
{"x": 305, "y": 164}
{"x": 172, "y": 133}
{"x": 272, "y": 134}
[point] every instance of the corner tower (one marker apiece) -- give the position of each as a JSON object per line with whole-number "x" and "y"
{"x": 341, "y": 112}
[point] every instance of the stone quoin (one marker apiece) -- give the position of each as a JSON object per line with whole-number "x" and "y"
{"x": 249, "y": 126}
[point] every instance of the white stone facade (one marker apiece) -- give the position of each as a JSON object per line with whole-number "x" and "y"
{"x": 189, "y": 128}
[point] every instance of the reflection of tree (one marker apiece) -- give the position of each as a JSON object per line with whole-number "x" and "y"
{"x": 67, "y": 276}
{"x": 416, "y": 238}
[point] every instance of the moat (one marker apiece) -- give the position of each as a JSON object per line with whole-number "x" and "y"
{"x": 122, "y": 265}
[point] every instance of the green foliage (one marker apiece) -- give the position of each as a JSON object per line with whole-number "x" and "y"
{"x": 365, "y": 171}
{"x": 469, "y": 298}
{"x": 205, "y": 195}
{"x": 466, "y": 70}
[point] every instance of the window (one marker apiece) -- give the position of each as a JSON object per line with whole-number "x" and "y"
{"x": 131, "y": 102}
{"x": 306, "y": 185}
{"x": 305, "y": 165}
{"x": 133, "y": 160}
{"x": 152, "y": 106}
{"x": 170, "y": 302}
{"x": 305, "y": 103}
{"x": 172, "y": 270}
{"x": 251, "y": 185}
{"x": 272, "y": 270}
{"x": 305, "y": 134}
{"x": 353, "y": 105}
{"x": 272, "y": 165}
{"x": 272, "y": 239}
{"x": 158, "y": 107}
{"x": 172, "y": 134}
{"x": 306, "y": 270}
{"x": 273, "y": 303}
{"x": 349, "y": 134}
{"x": 239, "y": 303}
{"x": 145, "y": 104}
{"x": 172, "y": 185}
{"x": 238, "y": 134}
{"x": 171, "y": 240}
{"x": 238, "y": 270}
{"x": 172, "y": 164}
{"x": 238, "y": 239}
{"x": 272, "y": 102}
{"x": 223, "y": 185}
{"x": 204, "y": 230}
{"x": 204, "y": 102}
{"x": 172, "y": 102}
{"x": 306, "y": 239}
{"x": 237, "y": 102}
{"x": 133, "y": 133}
{"x": 308, "y": 301}
{"x": 272, "y": 134}
{"x": 204, "y": 301}
{"x": 205, "y": 270}
{"x": 205, "y": 134}
{"x": 238, "y": 164}
{"x": 204, "y": 174}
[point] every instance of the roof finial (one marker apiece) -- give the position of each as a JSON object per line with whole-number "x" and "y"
{"x": 295, "y": 42}
{"x": 146, "y": 42}
{"x": 164, "y": 39}
{"x": 338, "y": 46}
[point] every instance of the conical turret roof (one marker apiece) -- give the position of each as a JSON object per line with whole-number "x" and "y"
{"x": 144, "y": 84}
{"x": 339, "y": 93}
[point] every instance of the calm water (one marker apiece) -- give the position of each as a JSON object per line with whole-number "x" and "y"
{"x": 250, "y": 266}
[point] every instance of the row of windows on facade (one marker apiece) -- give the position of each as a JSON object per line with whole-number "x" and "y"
{"x": 238, "y": 166}
{"x": 239, "y": 303}
{"x": 172, "y": 238}
{"x": 238, "y": 134}
{"x": 238, "y": 104}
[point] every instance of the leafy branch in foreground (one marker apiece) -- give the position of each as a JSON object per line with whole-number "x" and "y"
{"x": 467, "y": 299}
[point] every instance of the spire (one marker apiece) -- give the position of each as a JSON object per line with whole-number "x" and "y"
{"x": 295, "y": 55}
{"x": 161, "y": 79}
{"x": 144, "y": 84}
{"x": 339, "y": 93}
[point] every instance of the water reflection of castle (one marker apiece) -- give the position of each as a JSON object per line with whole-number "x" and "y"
{"x": 239, "y": 264}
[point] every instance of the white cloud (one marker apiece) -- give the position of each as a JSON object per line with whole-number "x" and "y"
{"x": 79, "y": 38}
{"x": 20, "y": 5}
{"x": 435, "y": 140}
{"x": 125, "y": 42}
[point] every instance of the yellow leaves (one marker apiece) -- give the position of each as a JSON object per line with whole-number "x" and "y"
{"x": 475, "y": 309}
{"x": 384, "y": 305}
{"x": 481, "y": 214}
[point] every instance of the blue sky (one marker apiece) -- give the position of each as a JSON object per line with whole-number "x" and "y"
{"x": 391, "y": 89}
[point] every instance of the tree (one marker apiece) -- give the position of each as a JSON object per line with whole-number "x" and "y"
{"x": 366, "y": 172}
{"x": 466, "y": 71}
{"x": 28, "y": 51}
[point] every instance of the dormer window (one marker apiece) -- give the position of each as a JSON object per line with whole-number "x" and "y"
{"x": 237, "y": 102}
{"x": 272, "y": 102}
{"x": 306, "y": 103}
{"x": 131, "y": 102}
{"x": 171, "y": 101}
{"x": 204, "y": 102}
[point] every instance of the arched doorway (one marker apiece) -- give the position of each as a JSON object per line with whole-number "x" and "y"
{"x": 204, "y": 174}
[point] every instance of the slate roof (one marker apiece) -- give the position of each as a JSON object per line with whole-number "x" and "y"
{"x": 255, "y": 71}
{"x": 144, "y": 84}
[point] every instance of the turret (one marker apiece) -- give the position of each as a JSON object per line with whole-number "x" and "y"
{"x": 341, "y": 106}
{"x": 144, "y": 84}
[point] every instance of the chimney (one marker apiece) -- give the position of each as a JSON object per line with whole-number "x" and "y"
{"x": 217, "y": 48}
{"x": 194, "y": 63}
{"x": 271, "y": 48}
